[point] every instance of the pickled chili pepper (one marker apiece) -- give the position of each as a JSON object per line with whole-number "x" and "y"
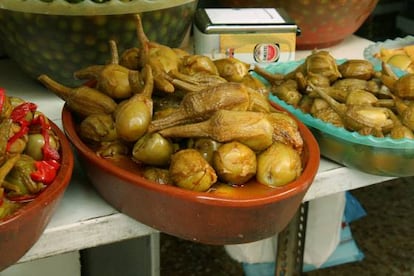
{"x": 46, "y": 171}
{"x": 18, "y": 116}
{"x": 47, "y": 168}
{"x": 49, "y": 153}
{"x": 19, "y": 113}
{"x": 1, "y": 196}
{"x": 39, "y": 173}
{"x": 2, "y": 98}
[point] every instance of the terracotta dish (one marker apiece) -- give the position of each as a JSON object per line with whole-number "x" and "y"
{"x": 211, "y": 218}
{"x": 20, "y": 231}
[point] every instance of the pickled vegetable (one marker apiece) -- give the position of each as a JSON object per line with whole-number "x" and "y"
{"x": 83, "y": 99}
{"x": 232, "y": 69}
{"x": 29, "y": 153}
{"x": 247, "y": 127}
{"x": 205, "y": 146}
{"x": 111, "y": 79}
{"x": 357, "y": 69}
{"x": 201, "y": 105}
{"x": 278, "y": 165}
{"x": 349, "y": 95}
{"x": 209, "y": 129}
{"x": 358, "y": 117}
{"x": 134, "y": 116}
{"x": 157, "y": 175}
{"x": 98, "y": 128}
{"x": 189, "y": 170}
{"x": 153, "y": 149}
{"x": 402, "y": 58}
{"x": 235, "y": 163}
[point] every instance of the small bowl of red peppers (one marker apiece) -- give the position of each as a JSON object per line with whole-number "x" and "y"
{"x": 36, "y": 163}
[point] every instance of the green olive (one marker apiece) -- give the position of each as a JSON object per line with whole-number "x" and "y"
{"x": 35, "y": 145}
{"x": 205, "y": 146}
{"x": 132, "y": 120}
{"x": 153, "y": 149}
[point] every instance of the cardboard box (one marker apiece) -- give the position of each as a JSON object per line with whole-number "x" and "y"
{"x": 253, "y": 35}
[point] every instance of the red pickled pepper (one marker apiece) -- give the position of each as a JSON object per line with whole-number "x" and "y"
{"x": 46, "y": 171}
{"x": 18, "y": 116}
{"x": 49, "y": 153}
{"x": 47, "y": 168}
{"x": 2, "y": 98}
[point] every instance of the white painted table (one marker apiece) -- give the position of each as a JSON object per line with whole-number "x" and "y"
{"x": 84, "y": 220}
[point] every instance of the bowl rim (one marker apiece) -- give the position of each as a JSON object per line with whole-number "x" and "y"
{"x": 54, "y": 189}
{"x": 295, "y": 187}
{"x": 328, "y": 128}
{"x": 87, "y": 7}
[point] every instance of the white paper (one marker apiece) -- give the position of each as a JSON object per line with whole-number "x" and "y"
{"x": 244, "y": 16}
{"x": 323, "y": 232}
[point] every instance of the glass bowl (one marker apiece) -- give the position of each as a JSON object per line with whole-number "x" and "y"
{"x": 379, "y": 156}
{"x": 372, "y": 50}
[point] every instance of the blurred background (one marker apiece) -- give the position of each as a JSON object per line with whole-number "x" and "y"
{"x": 390, "y": 19}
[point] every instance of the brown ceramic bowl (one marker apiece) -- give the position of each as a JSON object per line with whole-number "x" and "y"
{"x": 20, "y": 231}
{"x": 211, "y": 218}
